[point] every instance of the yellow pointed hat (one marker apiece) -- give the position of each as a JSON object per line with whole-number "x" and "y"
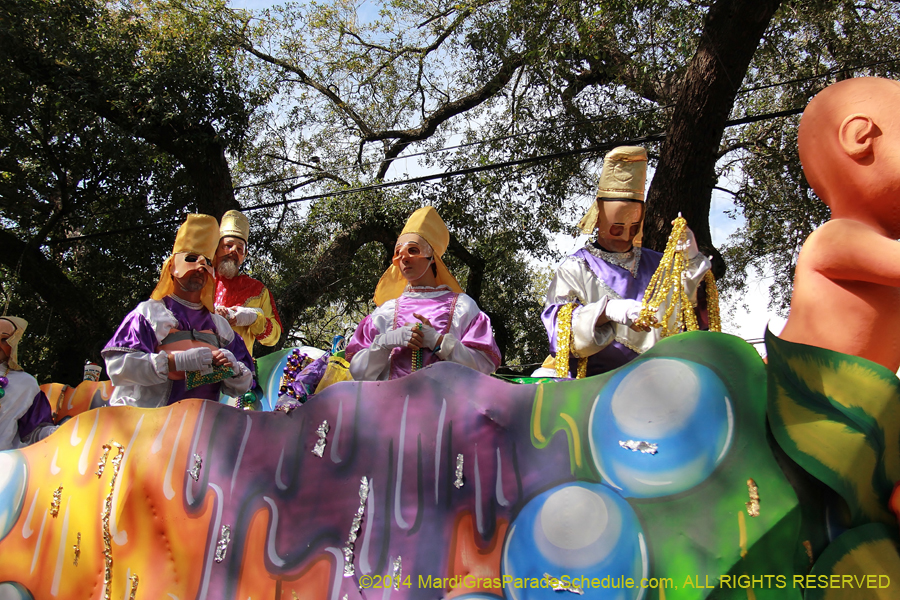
{"x": 623, "y": 177}
{"x": 199, "y": 234}
{"x": 427, "y": 223}
{"x": 13, "y": 341}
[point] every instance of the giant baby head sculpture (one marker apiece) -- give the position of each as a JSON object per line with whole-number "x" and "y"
{"x": 849, "y": 143}
{"x": 847, "y": 281}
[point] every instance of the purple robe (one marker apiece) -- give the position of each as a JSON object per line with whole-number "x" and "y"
{"x": 142, "y": 331}
{"x": 609, "y": 278}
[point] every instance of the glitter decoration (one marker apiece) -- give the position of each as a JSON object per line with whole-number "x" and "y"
{"x": 222, "y": 545}
{"x": 349, "y": 569}
{"x": 397, "y": 572}
{"x": 322, "y": 431}
{"x": 667, "y": 282}
{"x": 753, "y": 505}
{"x": 134, "y": 584}
{"x": 564, "y": 343}
{"x": 809, "y": 552}
{"x": 77, "y": 549}
{"x": 195, "y": 470}
{"x": 637, "y": 446}
{"x": 557, "y": 585}
{"x": 459, "y": 472}
{"x": 54, "y": 505}
{"x": 101, "y": 465}
{"x": 104, "y": 517}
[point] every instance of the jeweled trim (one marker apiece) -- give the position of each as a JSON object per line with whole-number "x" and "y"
{"x": 624, "y": 260}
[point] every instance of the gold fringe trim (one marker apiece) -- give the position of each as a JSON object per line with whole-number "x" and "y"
{"x": 666, "y": 283}
{"x": 564, "y": 343}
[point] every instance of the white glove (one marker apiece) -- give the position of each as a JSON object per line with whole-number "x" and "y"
{"x": 225, "y": 312}
{"x": 236, "y": 365}
{"x": 395, "y": 338}
{"x": 690, "y": 244}
{"x": 623, "y": 311}
{"x": 243, "y": 316}
{"x": 193, "y": 359}
{"x": 430, "y": 336}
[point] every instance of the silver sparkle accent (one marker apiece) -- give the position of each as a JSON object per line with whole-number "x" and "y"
{"x": 557, "y": 586}
{"x": 397, "y": 572}
{"x": 322, "y": 431}
{"x": 347, "y": 550}
{"x": 624, "y": 260}
{"x": 459, "y": 472}
{"x": 222, "y": 545}
{"x": 195, "y": 470}
{"x": 638, "y": 446}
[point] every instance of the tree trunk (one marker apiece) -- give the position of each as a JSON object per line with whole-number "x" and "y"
{"x": 686, "y": 172}
{"x": 86, "y": 329}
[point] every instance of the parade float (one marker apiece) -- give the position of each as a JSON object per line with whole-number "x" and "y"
{"x": 695, "y": 471}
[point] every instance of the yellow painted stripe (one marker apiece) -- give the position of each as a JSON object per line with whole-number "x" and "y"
{"x": 576, "y": 440}
{"x": 536, "y": 425}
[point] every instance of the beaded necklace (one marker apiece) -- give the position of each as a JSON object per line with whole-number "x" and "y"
{"x": 4, "y": 381}
{"x": 417, "y": 353}
{"x": 667, "y": 283}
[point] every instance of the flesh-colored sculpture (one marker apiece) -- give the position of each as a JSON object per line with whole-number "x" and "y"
{"x": 847, "y": 282}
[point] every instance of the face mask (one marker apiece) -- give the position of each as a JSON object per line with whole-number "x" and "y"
{"x": 411, "y": 253}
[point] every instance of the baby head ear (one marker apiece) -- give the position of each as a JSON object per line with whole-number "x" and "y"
{"x": 856, "y": 134}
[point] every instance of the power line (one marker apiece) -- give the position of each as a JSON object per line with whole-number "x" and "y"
{"x": 501, "y": 165}
{"x": 574, "y": 122}
{"x": 655, "y": 137}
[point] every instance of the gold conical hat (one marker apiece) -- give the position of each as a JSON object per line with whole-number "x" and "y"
{"x": 199, "y": 234}
{"x": 623, "y": 177}
{"x": 427, "y": 223}
{"x": 235, "y": 224}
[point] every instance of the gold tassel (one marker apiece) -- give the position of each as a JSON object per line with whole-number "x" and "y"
{"x": 712, "y": 302}
{"x": 666, "y": 283}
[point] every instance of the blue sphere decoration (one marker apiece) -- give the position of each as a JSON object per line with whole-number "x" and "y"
{"x": 580, "y": 533}
{"x": 13, "y": 482}
{"x": 679, "y": 405}
{"x": 14, "y": 591}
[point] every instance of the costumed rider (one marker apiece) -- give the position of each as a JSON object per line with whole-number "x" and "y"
{"x": 595, "y": 297}
{"x": 174, "y": 346}
{"x": 25, "y": 414}
{"x": 243, "y": 301}
{"x": 422, "y": 315}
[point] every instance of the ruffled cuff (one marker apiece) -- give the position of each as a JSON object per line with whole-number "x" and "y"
{"x": 160, "y": 363}
{"x": 588, "y": 337}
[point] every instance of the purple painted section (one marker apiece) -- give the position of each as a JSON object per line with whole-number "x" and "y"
{"x": 448, "y": 409}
